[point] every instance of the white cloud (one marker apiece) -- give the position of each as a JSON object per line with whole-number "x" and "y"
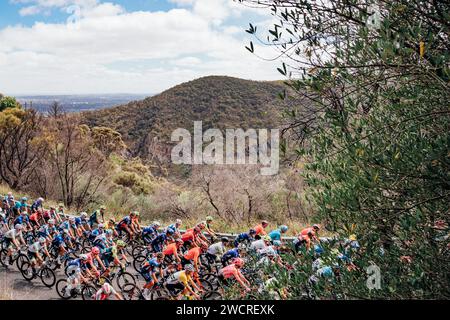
{"x": 111, "y": 50}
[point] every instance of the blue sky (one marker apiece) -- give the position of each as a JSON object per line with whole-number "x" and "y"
{"x": 124, "y": 46}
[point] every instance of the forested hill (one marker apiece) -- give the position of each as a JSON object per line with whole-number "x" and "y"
{"x": 220, "y": 102}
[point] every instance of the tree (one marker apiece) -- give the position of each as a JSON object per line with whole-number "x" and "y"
{"x": 8, "y": 102}
{"x": 374, "y": 130}
{"x": 19, "y": 146}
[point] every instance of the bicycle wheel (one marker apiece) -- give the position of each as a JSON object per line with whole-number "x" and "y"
{"x": 137, "y": 262}
{"x": 48, "y": 277}
{"x": 212, "y": 295}
{"x": 206, "y": 285}
{"x": 4, "y": 258}
{"x": 62, "y": 291}
{"x": 132, "y": 292}
{"x": 213, "y": 279}
{"x": 137, "y": 251}
{"x": 125, "y": 278}
{"x": 158, "y": 294}
{"x": 88, "y": 292}
{"x": 27, "y": 271}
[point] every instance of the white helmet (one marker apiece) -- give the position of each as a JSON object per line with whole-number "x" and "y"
{"x": 83, "y": 257}
{"x": 107, "y": 289}
{"x": 178, "y": 221}
{"x": 157, "y": 223}
{"x": 51, "y": 221}
{"x": 18, "y": 227}
{"x": 72, "y": 219}
{"x": 41, "y": 199}
{"x": 83, "y": 214}
{"x": 42, "y": 240}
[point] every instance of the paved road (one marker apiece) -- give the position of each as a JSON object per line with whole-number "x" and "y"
{"x": 14, "y": 287}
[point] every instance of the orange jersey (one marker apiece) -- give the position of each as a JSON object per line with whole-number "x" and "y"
{"x": 188, "y": 235}
{"x": 171, "y": 249}
{"x": 305, "y": 233}
{"x": 230, "y": 271}
{"x": 193, "y": 254}
{"x": 260, "y": 230}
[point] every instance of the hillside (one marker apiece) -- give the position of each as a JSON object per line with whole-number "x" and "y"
{"x": 220, "y": 102}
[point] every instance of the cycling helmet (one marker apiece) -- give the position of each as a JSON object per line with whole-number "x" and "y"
{"x": 170, "y": 231}
{"x": 179, "y": 242}
{"x": 95, "y": 251}
{"x": 136, "y": 213}
{"x": 224, "y": 239}
{"x": 109, "y": 232}
{"x": 83, "y": 257}
{"x": 267, "y": 238}
{"x": 197, "y": 230}
{"x": 352, "y": 237}
{"x": 102, "y": 208}
{"x": 107, "y": 289}
{"x": 24, "y": 199}
{"x": 24, "y": 212}
{"x": 101, "y": 226}
{"x": 121, "y": 244}
{"x": 204, "y": 246}
{"x": 252, "y": 231}
{"x": 160, "y": 255}
{"x": 52, "y": 208}
{"x": 242, "y": 247}
{"x": 18, "y": 227}
{"x": 83, "y": 214}
{"x": 264, "y": 223}
{"x": 238, "y": 262}
{"x": 51, "y": 221}
{"x": 178, "y": 221}
{"x": 189, "y": 267}
{"x": 42, "y": 240}
{"x": 72, "y": 219}
{"x": 61, "y": 205}
{"x": 40, "y": 199}
{"x": 283, "y": 229}
{"x": 318, "y": 249}
{"x": 156, "y": 224}
{"x": 201, "y": 224}
{"x": 209, "y": 218}
{"x": 316, "y": 226}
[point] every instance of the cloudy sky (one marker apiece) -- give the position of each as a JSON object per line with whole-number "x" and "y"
{"x": 124, "y": 46}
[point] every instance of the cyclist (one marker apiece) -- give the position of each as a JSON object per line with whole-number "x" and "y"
{"x": 111, "y": 255}
{"x": 24, "y": 220}
{"x": 34, "y": 252}
{"x": 245, "y": 237}
{"x": 38, "y": 204}
{"x": 182, "y": 281}
{"x": 232, "y": 254}
{"x": 149, "y": 233}
{"x": 84, "y": 221}
{"x": 3, "y": 223}
{"x": 159, "y": 241}
{"x": 173, "y": 248}
{"x": 260, "y": 229}
{"x": 217, "y": 249}
{"x": 192, "y": 256}
{"x": 106, "y": 291}
{"x": 13, "y": 236}
{"x": 208, "y": 228}
{"x": 233, "y": 271}
{"x": 149, "y": 269}
{"x": 20, "y": 206}
{"x": 95, "y": 219}
{"x": 94, "y": 254}
{"x": 261, "y": 243}
{"x": 277, "y": 233}
{"x": 309, "y": 235}
{"x": 175, "y": 227}
{"x": 128, "y": 224}
{"x": 75, "y": 270}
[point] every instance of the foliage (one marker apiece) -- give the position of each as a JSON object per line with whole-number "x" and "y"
{"x": 376, "y": 76}
{"x": 8, "y": 102}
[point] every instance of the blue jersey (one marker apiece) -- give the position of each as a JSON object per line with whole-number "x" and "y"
{"x": 275, "y": 235}
{"x": 37, "y": 204}
{"x": 150, "y": 265}
{"x": 21, "y": 220}
{"x": 148, "y": 230}
{"x": 243, "y": 237}
{"x": 58, "y": 240}
{"x": 64, "y": 225}
{"x": 233, "y": 253}
{"x": 160, "y": 239}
